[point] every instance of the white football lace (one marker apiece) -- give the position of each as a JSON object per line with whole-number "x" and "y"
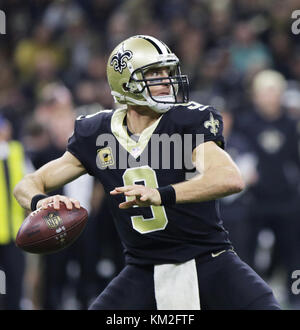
{"x": 39, "y": 209}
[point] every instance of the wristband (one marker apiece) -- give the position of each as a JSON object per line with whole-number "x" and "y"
{"x": 35, "y": 199}
{"x": 167, "y": 195}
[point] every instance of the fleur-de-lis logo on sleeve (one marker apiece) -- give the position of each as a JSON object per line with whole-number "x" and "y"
{"x": 118, "y": 60}
{"x": 213, "y": 124}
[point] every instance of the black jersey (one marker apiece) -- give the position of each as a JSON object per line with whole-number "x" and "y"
{"x": 161, "y": 156}
{"x": 275, "y": 143}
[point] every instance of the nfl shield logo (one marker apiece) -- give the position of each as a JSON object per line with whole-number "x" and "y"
{"x": 53, "y": 220}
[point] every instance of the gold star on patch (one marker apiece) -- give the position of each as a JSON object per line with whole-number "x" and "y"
{"x": 213, "y": 124}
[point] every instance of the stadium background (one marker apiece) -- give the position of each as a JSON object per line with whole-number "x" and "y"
{"x": 53, "y": 68}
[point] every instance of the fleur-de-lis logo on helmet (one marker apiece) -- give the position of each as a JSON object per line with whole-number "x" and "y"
{"x": 118, "y": 60}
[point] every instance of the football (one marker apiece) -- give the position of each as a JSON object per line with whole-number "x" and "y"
{"x": 48, "y": 230}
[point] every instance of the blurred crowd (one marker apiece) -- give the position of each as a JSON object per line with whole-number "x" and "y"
{"x": 240, "y": 56}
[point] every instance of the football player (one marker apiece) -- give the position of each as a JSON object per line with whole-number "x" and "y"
{"x": 178, "y": 254}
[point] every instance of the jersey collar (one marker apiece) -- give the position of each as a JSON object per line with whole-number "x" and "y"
{"x": 120, "y": 132}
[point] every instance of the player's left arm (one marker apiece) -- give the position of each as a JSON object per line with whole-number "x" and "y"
{"x": 219, "y": 177}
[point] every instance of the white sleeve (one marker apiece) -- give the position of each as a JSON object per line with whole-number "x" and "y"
{"x": 81, "y": 189}
{"x": 28, "y": 166}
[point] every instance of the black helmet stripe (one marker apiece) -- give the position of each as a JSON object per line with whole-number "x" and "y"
{"x": 160, "y": 46}
{"x": 154, "y": 44}
{"x": 168, "y": 49}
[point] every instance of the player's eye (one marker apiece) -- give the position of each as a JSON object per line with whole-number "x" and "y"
{"x": 154, "y": 73}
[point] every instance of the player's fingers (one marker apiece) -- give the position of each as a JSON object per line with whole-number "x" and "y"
{"x": 127, "y": 205}
{"x": 144, "y": 200}
{"x": 75, "y": 202}
{"x": 144, "y": 197}
{"x": 56, "y": 200}
{"x": 67, "y": 202}
{"x": 127, "y": 188}
{"x": 115, "y": 192}
{"x": 43, "y": 203}
{"x": 133, "y": 192}
{"x": 121, "y": 190}
{"x": 124, "y": 188}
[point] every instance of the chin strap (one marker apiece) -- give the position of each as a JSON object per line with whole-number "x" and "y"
{"x": 160, "y": 106}
{"x": 156, "y": 106}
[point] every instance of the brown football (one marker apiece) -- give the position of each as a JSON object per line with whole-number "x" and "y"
{"x": 50, "y": 230}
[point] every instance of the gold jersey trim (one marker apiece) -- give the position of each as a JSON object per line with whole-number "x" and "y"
{"x": 121, "y": 134}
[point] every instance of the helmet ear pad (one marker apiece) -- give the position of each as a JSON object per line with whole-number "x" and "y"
{"x": 125, "y": 88}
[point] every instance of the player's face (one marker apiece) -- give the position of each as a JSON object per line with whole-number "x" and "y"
{"x": 268, "y": 100}
{"x": 159, "y": 90}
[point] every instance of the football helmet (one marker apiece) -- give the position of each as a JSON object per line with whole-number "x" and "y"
{"x": 127, "y": 68}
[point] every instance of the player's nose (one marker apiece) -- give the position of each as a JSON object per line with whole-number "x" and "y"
{"x": 165, "y": 81}
{"x": 165, "y": 75}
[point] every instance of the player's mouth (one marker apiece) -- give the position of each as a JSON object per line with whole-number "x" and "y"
{"x": 163, "y": 92}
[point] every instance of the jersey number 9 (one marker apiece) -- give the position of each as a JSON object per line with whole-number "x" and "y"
{"x": 159, "y": 219}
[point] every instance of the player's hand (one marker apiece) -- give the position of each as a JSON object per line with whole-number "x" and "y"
{"x": 143, "y": 196}
{"x": 56, "y": 199}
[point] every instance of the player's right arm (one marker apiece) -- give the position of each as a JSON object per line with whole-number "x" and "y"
{"x": 49, "y": 177}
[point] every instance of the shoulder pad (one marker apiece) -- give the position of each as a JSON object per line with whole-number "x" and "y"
{"x": 192, "y": 105}
{"x": 190, "y": 113}
{"x": 86, "y": 125}
{"x": 80, "y": 117}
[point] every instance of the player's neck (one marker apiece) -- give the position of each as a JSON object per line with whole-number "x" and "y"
{"x": 139, "y": 118}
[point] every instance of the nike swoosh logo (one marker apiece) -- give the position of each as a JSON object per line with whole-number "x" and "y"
{"x": 218, "y": 253}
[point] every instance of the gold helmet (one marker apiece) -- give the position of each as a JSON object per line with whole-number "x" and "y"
{"x": 128, "y": 64}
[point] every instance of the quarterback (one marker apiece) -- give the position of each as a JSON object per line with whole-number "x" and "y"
{"x": 178, "y": 254}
